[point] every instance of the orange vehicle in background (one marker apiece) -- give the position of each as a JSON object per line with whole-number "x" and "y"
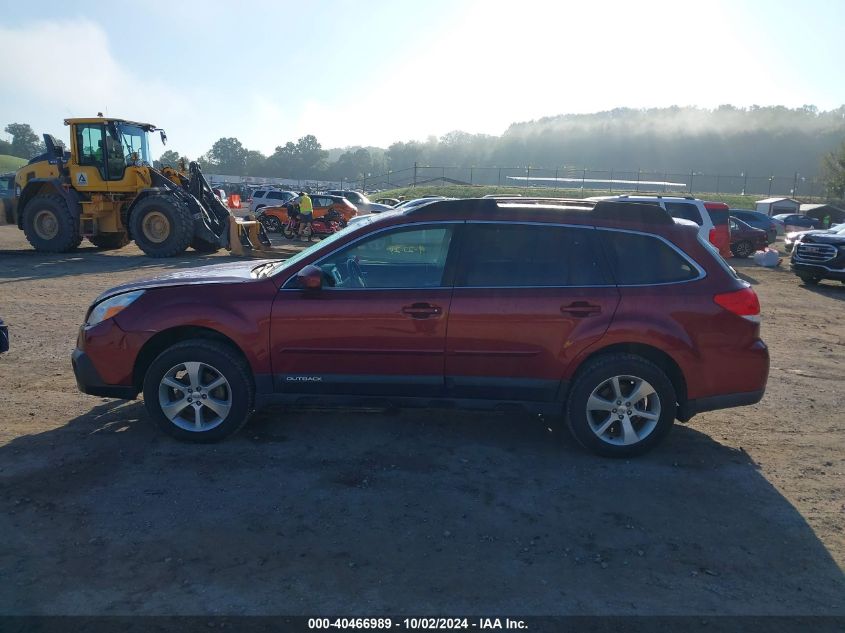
{"x": 274, "y": 218}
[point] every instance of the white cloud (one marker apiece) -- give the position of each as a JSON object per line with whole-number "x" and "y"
{"x": 66, "y": 69}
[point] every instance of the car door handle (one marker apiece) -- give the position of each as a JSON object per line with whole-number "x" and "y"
{"x": 422, "y": 310}
{"x": 581, "y": 309}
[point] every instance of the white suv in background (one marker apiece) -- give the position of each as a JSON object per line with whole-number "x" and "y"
{"x": 712, "y": 218}
{"x": 269, "y": 198}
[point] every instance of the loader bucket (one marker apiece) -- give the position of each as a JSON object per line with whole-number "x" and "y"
{"x": 248, "y": 238}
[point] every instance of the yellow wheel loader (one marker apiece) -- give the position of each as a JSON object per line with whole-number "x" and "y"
{"x": 105, "y": 189}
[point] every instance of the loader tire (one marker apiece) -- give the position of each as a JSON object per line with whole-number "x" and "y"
{"x": 109, "y": 241}
{"x": 49, "y": 225}
{"x": 161, "y": 226}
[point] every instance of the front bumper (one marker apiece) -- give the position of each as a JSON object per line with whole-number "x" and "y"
{"x": 825, "y": 272}
{"x": 88, "y": 379}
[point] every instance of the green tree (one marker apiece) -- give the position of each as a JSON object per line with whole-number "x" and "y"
{"x": 169, "y": 158}
{"x": 255, "y": 164}
{"x": 25, "y": 142}
{"x": 5, "y": 147}
{"x": 228, "y": 156}
{"x": 311, "y": 156}
{"x": 833, "y": 172}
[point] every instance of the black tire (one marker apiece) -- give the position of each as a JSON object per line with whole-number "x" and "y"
{"x": 743, "y": 249}
{"x": 222, "y": 359}
{"x": 287, "y": 232}
{"x": 175, "y": 235}
{"x": 810, "y": 280}
{"x": 50, "y": 212}
{"x": 207, "y": 248}
{"x": 109, "y": 241}
{"x": 596, "y": 373}
{"x": 271, "y": 224}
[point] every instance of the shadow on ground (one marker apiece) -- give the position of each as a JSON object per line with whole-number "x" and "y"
{"x": 417, "y": 512}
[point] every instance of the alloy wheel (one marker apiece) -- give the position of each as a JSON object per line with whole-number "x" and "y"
{"x": 623, "y": 410}
{"x": 195, "y": 396}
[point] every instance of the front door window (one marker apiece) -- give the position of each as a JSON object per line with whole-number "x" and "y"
{"x": 404, "y": 258}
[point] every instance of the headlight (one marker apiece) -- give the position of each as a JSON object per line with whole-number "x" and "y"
{"x": 113, "y": 306}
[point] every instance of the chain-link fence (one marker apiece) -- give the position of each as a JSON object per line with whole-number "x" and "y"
{"x": 610, "y": 180}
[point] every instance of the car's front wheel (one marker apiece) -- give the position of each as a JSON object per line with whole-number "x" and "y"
{"x": 621, "y": 405}
{"x": 810, "y": 280}
{"x": 199, "y": 391}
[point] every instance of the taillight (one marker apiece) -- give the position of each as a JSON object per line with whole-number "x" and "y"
{"x": 742, "y": 303}
{"x": 720, "y": 237}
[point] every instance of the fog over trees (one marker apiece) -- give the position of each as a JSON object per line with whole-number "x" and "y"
{"x": 727, "y": 140}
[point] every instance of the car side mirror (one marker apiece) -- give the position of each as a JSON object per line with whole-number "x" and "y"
{"x": 310, "y": 278}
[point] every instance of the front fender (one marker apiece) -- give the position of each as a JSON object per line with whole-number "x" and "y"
{"x": 38, "y": 186}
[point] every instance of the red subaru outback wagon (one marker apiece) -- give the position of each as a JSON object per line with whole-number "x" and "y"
{"x": 611, "y": 313}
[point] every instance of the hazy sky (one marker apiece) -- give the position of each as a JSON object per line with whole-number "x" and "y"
{"x": 371, "y": 72}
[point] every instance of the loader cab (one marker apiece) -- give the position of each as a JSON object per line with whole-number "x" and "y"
{"x": 105, "y": 153}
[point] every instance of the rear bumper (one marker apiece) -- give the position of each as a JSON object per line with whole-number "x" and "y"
{"x": 88, "y": 380}
{"x": 712, "y": 403}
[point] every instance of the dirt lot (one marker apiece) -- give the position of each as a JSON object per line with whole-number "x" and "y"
{"x": 739, "y": 512}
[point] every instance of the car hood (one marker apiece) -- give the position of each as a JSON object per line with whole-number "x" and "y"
{"x": 824, "y": 237}
{"x": 376, "y": 206}
{"x": 794, "y": 234}
{"x": 230, "y": 272}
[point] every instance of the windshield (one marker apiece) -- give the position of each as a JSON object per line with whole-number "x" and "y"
{"x": 325, "y": 243}
{"x": 134, "y": 140}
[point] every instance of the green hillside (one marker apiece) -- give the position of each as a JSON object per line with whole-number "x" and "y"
{"x": 10, "y": 163}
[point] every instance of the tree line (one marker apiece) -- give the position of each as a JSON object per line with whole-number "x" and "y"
{"x": 726, "y": 140}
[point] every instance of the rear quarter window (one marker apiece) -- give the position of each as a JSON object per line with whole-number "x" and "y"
{"x": 637, "y": 259}
{"x": 685, "y": 211}
{"x": 259, "y": 194}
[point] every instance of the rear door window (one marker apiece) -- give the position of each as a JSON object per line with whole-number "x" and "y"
{"x": 685, "y": 211}
{"x": 526, "y": 255}
{"x": 638, "y": 259}
{"x": 277, "y": 195}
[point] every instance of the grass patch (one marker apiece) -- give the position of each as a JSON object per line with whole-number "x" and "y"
{"x": 11, "y": 163}
{"x": 466, "y": 191}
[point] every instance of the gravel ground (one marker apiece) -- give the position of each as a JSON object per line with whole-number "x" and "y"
{"x": 373, "y": 512}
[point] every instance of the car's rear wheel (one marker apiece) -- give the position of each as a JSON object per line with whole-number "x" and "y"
{"x": 621, "y": 405}
{"x": 743, "y": 249}
{"x": 199, "y": 391}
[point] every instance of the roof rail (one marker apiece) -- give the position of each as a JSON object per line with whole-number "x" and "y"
{"x": 655, "y": 195}
{"x": 633, "y": 211}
